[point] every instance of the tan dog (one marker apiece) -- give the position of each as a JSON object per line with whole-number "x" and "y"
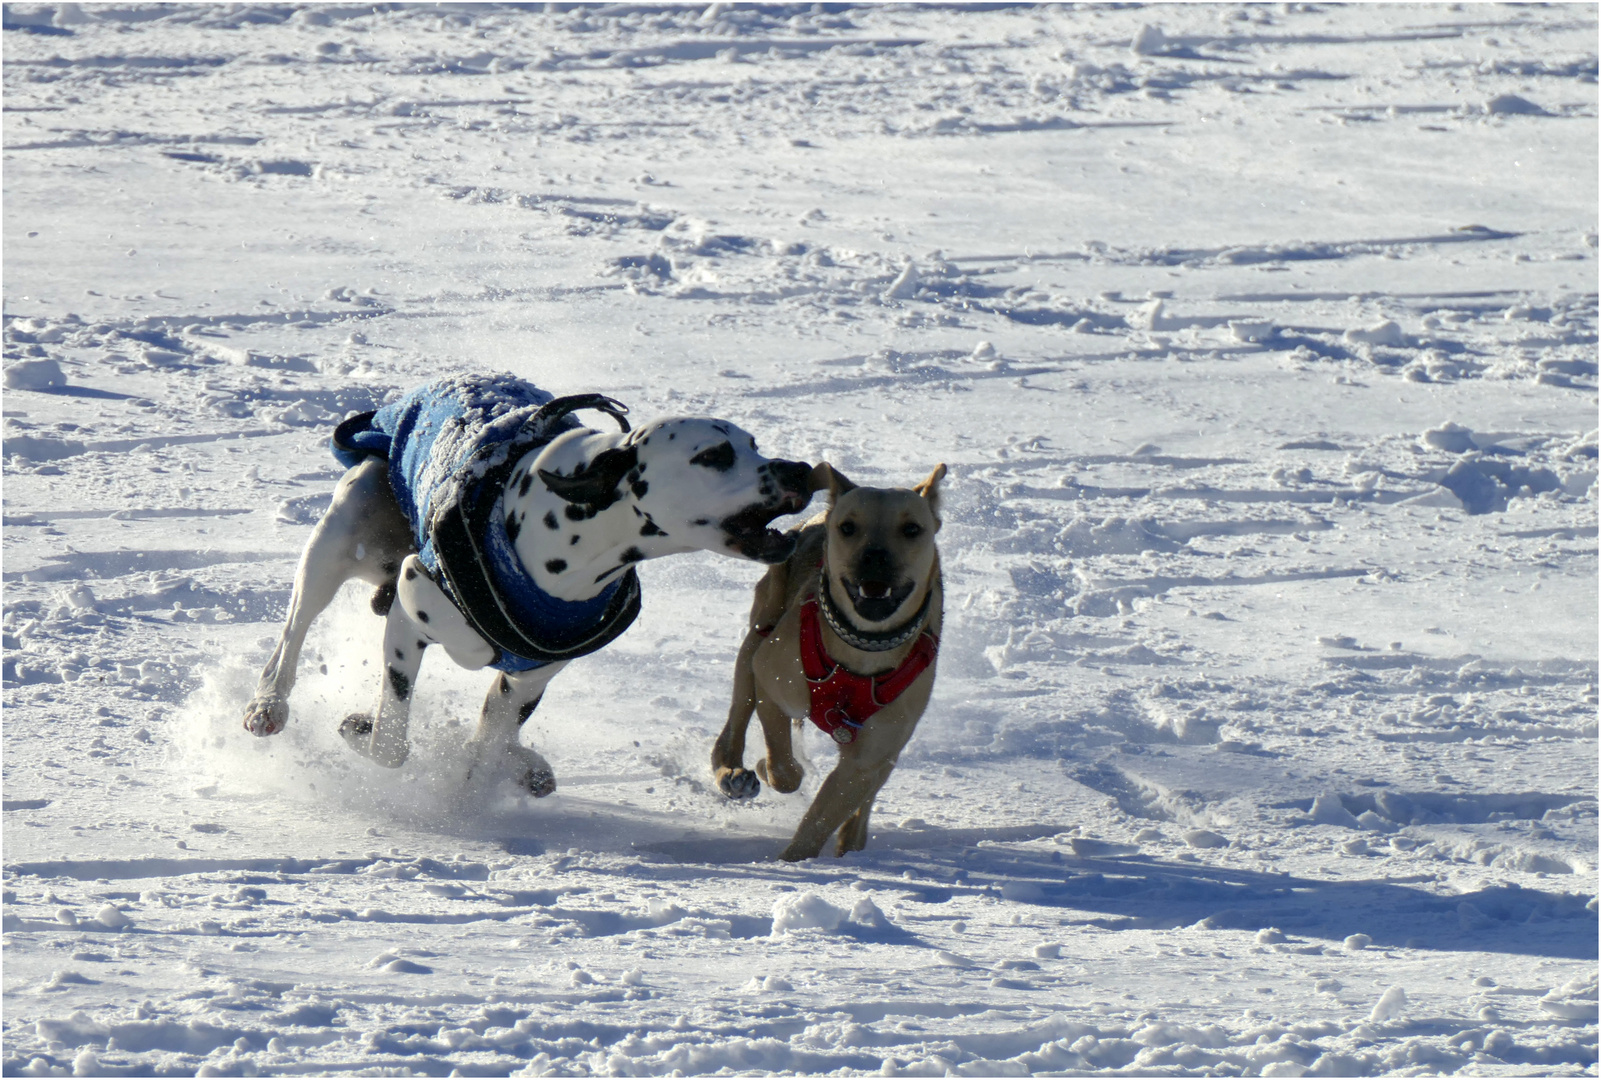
{"x": 845, "y": 632}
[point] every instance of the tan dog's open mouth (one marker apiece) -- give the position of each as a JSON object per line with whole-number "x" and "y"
{"x": 876, "y": 601}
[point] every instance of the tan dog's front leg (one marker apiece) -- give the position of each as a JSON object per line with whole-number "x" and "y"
{"x": 728, "y": 752}
{"x": 848, "y": 790}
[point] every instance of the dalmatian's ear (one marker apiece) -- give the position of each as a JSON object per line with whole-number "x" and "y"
{"x": 596, "y": 483}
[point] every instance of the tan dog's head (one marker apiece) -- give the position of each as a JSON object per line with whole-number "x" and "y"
{"x": 880, "y": 547}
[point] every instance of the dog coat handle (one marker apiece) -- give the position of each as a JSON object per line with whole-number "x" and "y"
{"x": 554, "y": 410}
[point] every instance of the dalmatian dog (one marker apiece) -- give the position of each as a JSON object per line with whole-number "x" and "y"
{"x": 495, "y": 526}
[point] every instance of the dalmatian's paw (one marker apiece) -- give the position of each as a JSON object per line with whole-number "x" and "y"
{"x": 739, "y": 784}
{"x": 266, "y": 715}
{"x": 525, "y": 768}
{"x": 357, "y": 731}
{"x": 538, "y": 783}
{"x": 531, "y": 772}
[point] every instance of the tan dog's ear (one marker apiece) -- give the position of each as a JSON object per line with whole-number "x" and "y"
{"x": 929, "y": 488}
{"x": 827, "y": 478}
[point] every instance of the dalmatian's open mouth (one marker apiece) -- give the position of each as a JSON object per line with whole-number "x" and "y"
{"x": 749, "y": 535}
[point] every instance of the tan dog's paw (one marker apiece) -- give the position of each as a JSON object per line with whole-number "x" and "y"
{"x": 739, "y": 784}
{"x": 797, "y": 851}
{"x": 266, "y": 716}
{"x": 781, "y": 778}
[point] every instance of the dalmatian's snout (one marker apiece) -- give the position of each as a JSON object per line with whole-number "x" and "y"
{"x": 794, "y": 479}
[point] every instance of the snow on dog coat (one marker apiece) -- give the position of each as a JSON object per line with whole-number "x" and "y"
{"x": 842, "y": 701}
{"x": 450, "y": 445}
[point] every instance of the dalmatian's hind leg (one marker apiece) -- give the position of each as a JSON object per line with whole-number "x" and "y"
{"x": 494, "y": 748}
{"x": 362, "y": 535}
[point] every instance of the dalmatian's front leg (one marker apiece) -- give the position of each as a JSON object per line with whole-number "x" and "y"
{"x": 382, "y": 737}
{"x": 494, "y": 750}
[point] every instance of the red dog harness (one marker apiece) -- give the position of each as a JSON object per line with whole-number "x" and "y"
{"x": 842, "y": 701}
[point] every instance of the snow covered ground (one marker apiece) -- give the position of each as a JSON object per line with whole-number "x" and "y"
{"x": 1261, "y": 344}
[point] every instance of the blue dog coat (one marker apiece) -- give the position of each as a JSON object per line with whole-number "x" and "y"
{"x": 450, "y": 445}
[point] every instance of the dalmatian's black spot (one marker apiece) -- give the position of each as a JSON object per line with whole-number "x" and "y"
{"x": 400, "y": 654}
{"x": 641, "y": 469}
{"x": 702, "y": 521}
{"x": 671, "y": 436}
{"x": 575, "y": 512}
{"x": 719, "y": 457}
{"x": 513, "y": 527}
{"x": 411, "y": 573}
{"x": 650, "y": 528}
{"x": 633, "y": 554}
{"x": 423, "y": 615}
{"x": 637, "y": 511}
{"x": 525, "y": 710}
{"x": 639, "y": 488}
{"x": 401, "y": 684}
{"x": 522, "y": 488}
{"x": 573, "y": 542}
{"x": 383, "y": 598}
{"x": 421, "y": 645}
{"x": 555, "y": 566}
{"x": 550, "y": 520}
{"x": 505, "y": 685}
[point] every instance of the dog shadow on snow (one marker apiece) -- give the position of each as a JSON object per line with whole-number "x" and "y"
{"x": 1127, "y": 892}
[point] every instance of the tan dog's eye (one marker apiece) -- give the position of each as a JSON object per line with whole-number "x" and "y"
{"x": 911, "y": 530}
{"x": 847, "y": 528}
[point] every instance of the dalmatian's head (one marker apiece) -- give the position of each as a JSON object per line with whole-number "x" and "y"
{"x": 694, "y": 484}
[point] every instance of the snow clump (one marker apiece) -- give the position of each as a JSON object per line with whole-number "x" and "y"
{"x": 1390, "y": 1006}
{"x": 805, "y": 911}
{"x": 34, "y": 375}
{"x": 1450, "y": 437}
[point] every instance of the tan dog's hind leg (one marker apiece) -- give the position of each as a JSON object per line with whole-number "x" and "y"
{"x": 853, "y": 834}
{"x": 779, "y": 768}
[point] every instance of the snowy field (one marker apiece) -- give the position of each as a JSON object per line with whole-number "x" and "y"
{"x": 1261, "y": 345}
